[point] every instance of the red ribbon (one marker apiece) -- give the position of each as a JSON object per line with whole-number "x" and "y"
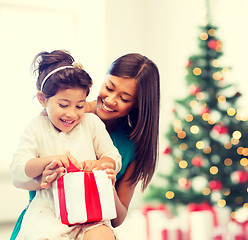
{"x": 92, "y": 199}
{"x": 165, "y": 235}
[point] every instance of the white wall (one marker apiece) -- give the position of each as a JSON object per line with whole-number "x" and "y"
{"x": 97, "y": 32}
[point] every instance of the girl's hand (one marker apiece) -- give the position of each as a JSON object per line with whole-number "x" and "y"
{"x": 55, "y": 168}
{"x": 50, "y": 173}
{"x": 90, "y": 165}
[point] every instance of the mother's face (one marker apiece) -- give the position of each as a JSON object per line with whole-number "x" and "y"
{"x": 117, "y": 97}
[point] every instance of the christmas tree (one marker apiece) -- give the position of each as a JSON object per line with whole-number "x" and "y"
{"x": 208, "y": 139}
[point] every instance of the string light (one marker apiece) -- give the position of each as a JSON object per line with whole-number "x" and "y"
{"x": 197, "y": 71}
{"x": 200, "y": 144}
{"x": 228, "y": 145}
{"x": 183, "y": 146}
{"x": 240, "y": 150}
{"x": 234, "y": 141}
{"x": 221, "y": 99}
{"x": 236, "y": 134}
{"x": 206, "y": 116}
{"x": 174, "y": 139}
{"x": 215, "y": 63}
{"x": 211, "y": 32}
{"x": 189, "y": 118}
{"x": 181, "y": 134}
{"x": 178, "y": 159}
{"x": 183, "y": 164}
{"x": 217, "y": 76}
{"x": 194, "y": 129}
{"x": 245, "y": 151}
{"x": 245, "y": 205}
{"x": 207, "y": 150}
{"x": 231, "y": 112}
{"x": 218, "y": 47}
{"x": 213, "y": 170}
{"x": 169, "y": 194}
{"x": 203, "y": 36}
{"x": 206, "y": 191}
{"x": 244, "y": 162}
{"x": 226, "y": 191}
{"x": 177, "y": 129}
{"x": 221, "y": 203}
{"x": 200, "y": 96}
{"x": 177, "y": 123}
{"x": 228, "y": 162}
{"x": 238, "y": 200}
{"x": 193, "y": 103}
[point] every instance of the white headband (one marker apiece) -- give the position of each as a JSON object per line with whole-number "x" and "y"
{"x": 51, "y": 73}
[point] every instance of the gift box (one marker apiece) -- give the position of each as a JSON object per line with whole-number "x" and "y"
{"x": 161, "y": 225}
{"x": 237, "y": 230}
{"x": 81, "y": 197}
{"x": 207, "y": 222}
{"x": 155, "y": 218}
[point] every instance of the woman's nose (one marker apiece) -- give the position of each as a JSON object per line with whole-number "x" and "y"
{"x": 111, "y": 99}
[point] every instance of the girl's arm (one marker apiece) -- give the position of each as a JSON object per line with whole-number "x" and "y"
{"x": 123, "y": 194}
{"x": 35, "y": 167}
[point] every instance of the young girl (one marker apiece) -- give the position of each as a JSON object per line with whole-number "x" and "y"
{"x": 128, "y": 104}
{"x": 66, "y": 132}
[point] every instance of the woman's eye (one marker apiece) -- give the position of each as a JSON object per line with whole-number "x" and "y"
{"x": 63, "y": 106}
{"x": 124, "y": 100}
{"x": 109, "y": 89}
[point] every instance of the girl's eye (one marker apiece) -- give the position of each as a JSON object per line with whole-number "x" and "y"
{"x": 63, "y": 106}
{"x": 80, "y": 107}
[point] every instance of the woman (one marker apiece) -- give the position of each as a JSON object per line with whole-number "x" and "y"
{"x": 128, "y": 104}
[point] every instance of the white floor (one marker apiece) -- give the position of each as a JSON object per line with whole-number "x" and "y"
{"x": 15, "y": 200}
{"x": 132, "y": 229}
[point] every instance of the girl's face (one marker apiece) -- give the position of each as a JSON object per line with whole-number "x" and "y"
{"x": 117, "y": 97}
{"x": 66, "y": 109}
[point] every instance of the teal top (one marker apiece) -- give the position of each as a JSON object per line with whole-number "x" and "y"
{"x": 126, "y": 149}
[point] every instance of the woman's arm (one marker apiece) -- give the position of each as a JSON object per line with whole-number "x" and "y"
{"x": 90, "y": 107}
{"x": 123, "y": 194}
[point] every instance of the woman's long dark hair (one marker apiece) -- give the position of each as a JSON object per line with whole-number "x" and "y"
{"x": 145, "y": 117}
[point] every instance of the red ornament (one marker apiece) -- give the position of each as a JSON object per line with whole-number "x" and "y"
{"x": 212, "y": 44}
{"x": 205, "y": 110}
{"x": 240, "y": 176}
{"x": 220, "y": 129}
{"x": 189, "y": 64}
{"x": 215, "y": 185}
{"x": 184, "y": 183}
{"x": 167, "y": 150}
{"x": 194, "y": 89}
{"x": 197, "y": 161}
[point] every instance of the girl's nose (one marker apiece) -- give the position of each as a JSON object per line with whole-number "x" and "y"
{"x": 71, "y": 113}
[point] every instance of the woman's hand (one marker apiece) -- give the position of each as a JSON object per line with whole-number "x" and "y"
{"x": 109, "y": 169}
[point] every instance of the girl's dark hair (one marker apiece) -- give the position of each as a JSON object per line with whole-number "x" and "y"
{"x": 45, "y": 62}
{"x": 145, "y": 117}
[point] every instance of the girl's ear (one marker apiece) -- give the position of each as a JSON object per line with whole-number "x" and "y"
{"x": 42, "y": 99}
